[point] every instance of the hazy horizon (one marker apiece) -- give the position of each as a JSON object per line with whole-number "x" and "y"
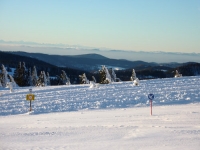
{"x": 62, "y": 49}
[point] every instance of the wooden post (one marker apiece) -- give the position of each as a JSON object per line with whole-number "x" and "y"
{"x": 151, "y": 106}
{"x": 30, "y": 106}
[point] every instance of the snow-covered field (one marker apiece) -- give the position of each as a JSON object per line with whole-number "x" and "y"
{"x": 114, "y": 116}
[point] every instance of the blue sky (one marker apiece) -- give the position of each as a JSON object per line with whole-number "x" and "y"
{"x": 147, "y": 25}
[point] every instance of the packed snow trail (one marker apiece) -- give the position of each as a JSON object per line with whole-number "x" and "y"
{"x": 172, "y": 127}
{"x": 115, "y": 95}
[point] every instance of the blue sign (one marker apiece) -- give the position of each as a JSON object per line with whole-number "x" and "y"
{"x": 151, "y": 96}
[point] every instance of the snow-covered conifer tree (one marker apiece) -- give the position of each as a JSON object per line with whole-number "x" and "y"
{"x": 108, "y": 77}
{"x": 177, "y": 74}
{"x": 34, "y": 76}
{"x": 45, "y": 79}
{"x": 41, "y": 81}
{"x": 102, "y": 76}
{"x": 17, "y": 71}
{"x": 113, "y": 75}
{"x": 12, "y": 81}
{"x": 21, "y": 75}
{"x": 30, "y": 79}
{"x": 94, "y": 79}
{"x": 84, "y": 79}
{"x": 105, "y": 75}
{"x": 25, "y": 76}
{"x": 64, "y": 79}
{"x": 1, "y": 75}
{"x": 4, "y": 77}
{"x": 24, "y": 70}
{"x": 48, "y": 79}
{"x": 134, "y": 78}
{"x": 68, "y": 81}
{"x": 93, "y": 82}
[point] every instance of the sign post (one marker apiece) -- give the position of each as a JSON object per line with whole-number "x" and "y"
{"x": 30, "y": 97}
{"x": 151, "y": 97}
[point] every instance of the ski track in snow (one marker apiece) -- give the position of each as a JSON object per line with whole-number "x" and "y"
{"x": 115, "y": 95}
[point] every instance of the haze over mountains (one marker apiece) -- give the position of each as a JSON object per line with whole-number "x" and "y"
{"x": 62, "y": 49}
{"x": 93, "y": 62}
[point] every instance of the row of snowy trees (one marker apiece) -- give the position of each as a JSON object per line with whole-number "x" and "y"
{"x": 28, "y": 77}
{"x": 107, "y": 76}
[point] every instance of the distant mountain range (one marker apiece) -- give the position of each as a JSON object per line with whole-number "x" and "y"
{"x": 93, "y": 62}
{"x": 71, "y": 50}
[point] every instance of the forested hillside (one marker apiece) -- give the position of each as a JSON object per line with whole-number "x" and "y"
{"x": 188, "y": 69}
{"x": 106, "y": 74}
{"x": 12, "y": 61}
{"x": 88, "y": 62}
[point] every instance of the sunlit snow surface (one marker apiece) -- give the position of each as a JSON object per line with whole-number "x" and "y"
{"x": 115, "y": 95}
{"x": 114, "y": 117}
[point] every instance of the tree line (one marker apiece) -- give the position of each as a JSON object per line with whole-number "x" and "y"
{"x": 30, "y": 76}
{"x": 24, "y": 76}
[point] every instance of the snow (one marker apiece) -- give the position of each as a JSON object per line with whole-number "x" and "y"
{"x": 113, "y": 67}
{"x": 112, "y": 116}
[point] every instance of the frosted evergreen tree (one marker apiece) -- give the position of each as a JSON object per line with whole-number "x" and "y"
{"x": 30, "y": 79}
{"x": 102, "y": 76}
{"x": 177, "y": 74}
{"x": 64, "y": 79}
{"x": 84, "y": 79}
{"x": 41, "y": 79}
{"x": 17, "y": 74}
{"x": 34, "y": 76}
{"x": 12, "y": 81}
{"x": 21, "y": 75}
{"x": 108, "y": 77}
{"x": 113, "y": 75}
{"x": 1, "y": 75}
{"x": 4, "y": 76}
{"x": 48, "y": 79}
{"x": 105, "y": 77}
{"x": 68, "y": 81}
{"x": 94, "y": 79}
{"x": 24, "y": 70}
{"x": 134, "y": 78}
{"x": 25, "y": 75}
{"x": 44, "y": 79}
{"x": 39, "y": 82}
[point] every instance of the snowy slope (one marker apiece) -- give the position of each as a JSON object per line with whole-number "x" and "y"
{"x": 110, "y": 117}
{"x": 115, "y": 95}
